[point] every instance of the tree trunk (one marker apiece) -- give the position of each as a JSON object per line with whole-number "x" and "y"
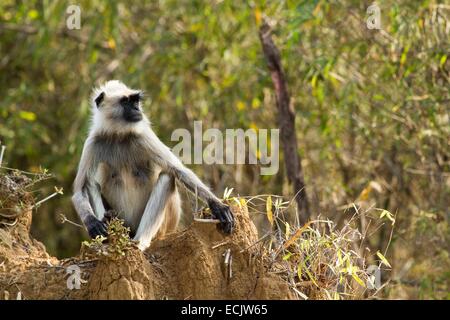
{"x": 286, "y": 122}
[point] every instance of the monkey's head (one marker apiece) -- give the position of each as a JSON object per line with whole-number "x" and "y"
{"x": 115, "y": 105}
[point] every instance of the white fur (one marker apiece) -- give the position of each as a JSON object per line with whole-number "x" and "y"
{"x": 154, "y": 212}
{"x": 157, "y": 200}
{"x": 113, "y": 90}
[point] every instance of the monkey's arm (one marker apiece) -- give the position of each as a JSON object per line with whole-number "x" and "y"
{"x": 84, "y": 187}
{"x": 168, "y": 161}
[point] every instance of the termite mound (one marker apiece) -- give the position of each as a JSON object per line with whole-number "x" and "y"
{"x": 195, "y": 263}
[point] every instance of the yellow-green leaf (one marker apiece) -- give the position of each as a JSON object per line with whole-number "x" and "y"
{"x": 256, "y": 103}
{"x": 33, "y": 14}
{"x": 358, "y": 279}
{"x": 27, "y": 115}
{"x": 314, "y": 81}
{"x": 240, "y": 105}
{"x": 288, "y": 230}
{"x": 404, "y": 55}
{"x": 296, "y": 235}
{"x": 299, "y": 271}
{"x": 269, "y": 209}
{"x": 383, "y": 259}
{"x": 443, "y": 60}
{"x": 388, "y": 215}
{"x": 237, "y": 202}
{"x": 287, "y": 256}
{"x": 311, "y": 277}
{"x": 403, "y": 58}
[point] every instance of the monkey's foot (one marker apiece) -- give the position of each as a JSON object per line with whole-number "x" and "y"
{"x": 95, "y": 227}
{"x": 224, "y": 214}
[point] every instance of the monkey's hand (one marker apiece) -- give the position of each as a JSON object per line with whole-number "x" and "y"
{"x": 223, "y": 213}
{"x": 95, "y": 227}
{"x": 109, "y": 215}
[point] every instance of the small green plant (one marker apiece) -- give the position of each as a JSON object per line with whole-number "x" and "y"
{"x": 114, "y": 246}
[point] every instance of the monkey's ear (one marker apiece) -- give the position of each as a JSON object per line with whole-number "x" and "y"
{"x": 99, "y": 99}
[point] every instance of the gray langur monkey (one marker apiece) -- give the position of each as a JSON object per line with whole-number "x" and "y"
{"x": 126, "y": 168}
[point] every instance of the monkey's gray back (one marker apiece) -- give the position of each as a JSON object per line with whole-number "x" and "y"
{"x": 125, "y": 173}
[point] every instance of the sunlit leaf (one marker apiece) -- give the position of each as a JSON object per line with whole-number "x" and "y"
{"x": 311, "y": 277}
{"x": 111, "y": 43}
{"x": 288, "y": 230}
{"x": 33, "y": 14}
{"x": 299, "y": 271}
{"x": 383, "y": 259}
{"x": 443, "y": 60}
{"x": 388, "y": 215}
{"x": 226, "y": 193}
{"x": 269, "y": 209}
{"x": 258, "y": 16}
{"x": 27, "y": 115}
{"x": 240, "y": 105}
{"x": 363, "y": 196}
{"x": 237, "y": 202}
{"x": 358, "y": 279}
{"x": 296, "y": 235}
{"x": 256, "y": 103}
{"x": 287, "y": 256}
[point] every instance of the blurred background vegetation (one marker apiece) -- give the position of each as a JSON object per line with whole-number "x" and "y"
{"x": 372, "y": 106}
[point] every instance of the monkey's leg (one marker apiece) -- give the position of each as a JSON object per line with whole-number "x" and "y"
{"x": 95, "y": 198}
{"x": 153, "y": 216}
{"x": 172, "y": 214}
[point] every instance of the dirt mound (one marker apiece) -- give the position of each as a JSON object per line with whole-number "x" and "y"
{"x": 196, "y": 263}
{"x": 193, "y": 261}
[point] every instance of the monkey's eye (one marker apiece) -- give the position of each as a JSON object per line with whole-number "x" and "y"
{"x": 124, "y": 100}
{"x": 136, "y": 97}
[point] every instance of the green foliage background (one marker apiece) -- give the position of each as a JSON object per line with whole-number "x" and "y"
{"x": 372, "y": 106}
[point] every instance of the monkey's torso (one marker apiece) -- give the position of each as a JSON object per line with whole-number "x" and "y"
{"x": 124, "y": 166}
{"x": 125, "y": 174}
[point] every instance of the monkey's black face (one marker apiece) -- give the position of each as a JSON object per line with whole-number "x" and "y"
{"x": 131, "y": 110}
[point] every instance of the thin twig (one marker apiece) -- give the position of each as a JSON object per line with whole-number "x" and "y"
{"x": 215, "y": 221}
{"x": 37, "y": 204}
{"x": 230, "y": 270}
{"x": 2, "y": 152}
{"x": 196, "y": 200}
{"x": 64, "y": 220}
{"x": 9, "y": 224}
{"x": 227, "y": 256}
{"x": 220, "y": 244}
{"x": 227, "y": 262}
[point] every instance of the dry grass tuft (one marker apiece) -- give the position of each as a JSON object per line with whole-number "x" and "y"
{"x": 15, "y": 189}
{"x": 319, "y": 260}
